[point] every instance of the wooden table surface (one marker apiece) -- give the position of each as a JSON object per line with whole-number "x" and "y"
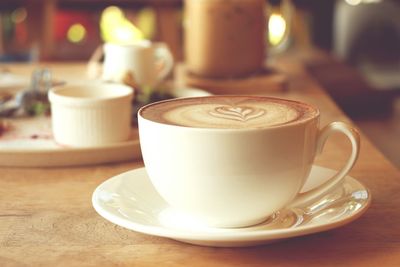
{"x": 46, "y": 216}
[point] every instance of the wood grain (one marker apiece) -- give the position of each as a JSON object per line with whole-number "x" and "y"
{"x": 46, "y": 217}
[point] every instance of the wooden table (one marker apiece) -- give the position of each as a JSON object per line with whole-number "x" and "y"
{"x": 46, "y": 216}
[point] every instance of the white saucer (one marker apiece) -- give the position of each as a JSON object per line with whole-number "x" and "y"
{"x": 130, "y": 200}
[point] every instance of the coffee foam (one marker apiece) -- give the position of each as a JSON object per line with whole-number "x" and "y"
{"x": 228, "y": 112}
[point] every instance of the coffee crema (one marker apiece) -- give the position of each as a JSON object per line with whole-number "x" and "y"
{"x": 228, "y": 112}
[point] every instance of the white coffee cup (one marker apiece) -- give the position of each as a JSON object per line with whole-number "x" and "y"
{"x": 148, "y": 63}
{"x": 91, "y": 114}
{"x": 238, "y": 176}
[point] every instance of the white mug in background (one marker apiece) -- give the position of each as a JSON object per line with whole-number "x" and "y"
{"x": 142, "y": 63}
{"x": 235, "y": 177}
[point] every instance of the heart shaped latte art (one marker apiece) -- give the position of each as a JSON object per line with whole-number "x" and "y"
{"x": 237, "y": 113}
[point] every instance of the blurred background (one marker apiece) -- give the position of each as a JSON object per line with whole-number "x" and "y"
{"x": 360, "y": 38}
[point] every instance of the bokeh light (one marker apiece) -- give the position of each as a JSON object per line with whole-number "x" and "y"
{"x": 146, "y": 22}
{"x": 276, "y": 29}
{"x": 19, "y": 15}
{"x": 116, "y": 28}
{"x": 76, "y": 33}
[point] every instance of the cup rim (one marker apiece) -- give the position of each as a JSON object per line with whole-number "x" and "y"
{"x": 63, "y": 95}
{"x": 316, "y": 115}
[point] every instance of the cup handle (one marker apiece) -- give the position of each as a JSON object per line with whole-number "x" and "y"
{"x": 94, "y": 66}
{"x": 164, "y": 60}
{"x": 354, "y": 137}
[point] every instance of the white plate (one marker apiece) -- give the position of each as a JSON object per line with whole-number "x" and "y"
{"x": 130, "y": 200}
{"x": 30, "y": 143}
{"x": 13, "y": 82}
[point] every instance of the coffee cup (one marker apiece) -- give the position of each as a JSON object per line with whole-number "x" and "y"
{"x": 232, "y": 161}
{"x": 141, "y": 63}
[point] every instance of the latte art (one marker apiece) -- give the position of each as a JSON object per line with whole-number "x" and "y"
{"x": 237, "y": 113}
{"x": 227, "y": 112}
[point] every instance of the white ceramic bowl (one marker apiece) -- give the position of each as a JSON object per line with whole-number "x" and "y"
{"x": 88, "y": 115}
